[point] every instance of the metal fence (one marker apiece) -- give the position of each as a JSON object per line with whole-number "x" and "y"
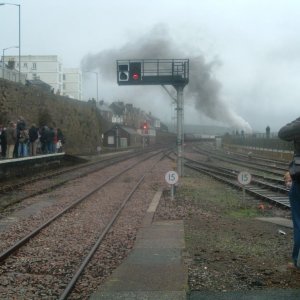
{"x": 260, "y": 141}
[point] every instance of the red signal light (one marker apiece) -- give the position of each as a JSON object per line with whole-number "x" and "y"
{"x": 135, "y": 76}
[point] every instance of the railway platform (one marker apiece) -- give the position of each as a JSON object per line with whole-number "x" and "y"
{"x": 16, "y": 167}
{"x": 22, "y": 160}
{"x": 155, "y": 268}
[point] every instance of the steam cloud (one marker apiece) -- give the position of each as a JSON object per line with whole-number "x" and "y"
{"x": 203, "y": 89}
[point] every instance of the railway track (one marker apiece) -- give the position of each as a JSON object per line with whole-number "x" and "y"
{"x": 16, "y": 191}
{"x": 273, "y": 193}
{"x": 269, "y": 166}
{"x": 70, "y": 217}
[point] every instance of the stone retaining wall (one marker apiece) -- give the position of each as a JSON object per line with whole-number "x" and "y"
{"x": 79, "y": 121}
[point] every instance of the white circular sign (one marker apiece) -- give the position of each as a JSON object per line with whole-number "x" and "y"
{"x": 244, "y": 178}
{"x": 171, "y": 177}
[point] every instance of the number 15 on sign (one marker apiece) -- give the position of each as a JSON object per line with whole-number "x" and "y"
{"x": 244, "y": 178}
{"x": 171, "y": 177}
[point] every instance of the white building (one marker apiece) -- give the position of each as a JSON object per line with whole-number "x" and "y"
{"x": 72, "y": 83}
{"x": 11, "y": 74}
{"x": 47, "y": 68}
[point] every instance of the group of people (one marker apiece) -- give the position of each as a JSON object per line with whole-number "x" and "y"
{"x": 17, "y": 140}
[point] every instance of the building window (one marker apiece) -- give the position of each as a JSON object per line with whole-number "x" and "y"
{"x": 25, "y": 65}
{"x": 33, "y": 66}
{"x": 64, "y": 77}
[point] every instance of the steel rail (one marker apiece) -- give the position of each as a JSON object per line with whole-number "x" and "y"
{"x": 49, "y": 174}
{"x": 98, "y": 166}
{"x": 92, "y": 251}
{"x": 235, "y": 171}
{"x": 258, "y": 158}
{"x": 250, "y": 189}
{"x": 76, "y": 276}
{"x": 6, "y": 253}
{"x": 255, "y": 166}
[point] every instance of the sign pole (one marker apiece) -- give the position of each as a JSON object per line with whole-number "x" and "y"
{"x": 180, "y": 113}
{"x": 172, "y": 192}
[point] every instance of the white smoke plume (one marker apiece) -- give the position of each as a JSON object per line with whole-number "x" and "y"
{"x": 203, "y": 89}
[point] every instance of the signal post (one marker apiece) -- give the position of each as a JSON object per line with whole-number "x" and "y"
{"x": 173, "y": 72}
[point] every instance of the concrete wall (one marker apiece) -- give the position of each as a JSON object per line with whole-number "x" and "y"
{"x": 80, "y": 121}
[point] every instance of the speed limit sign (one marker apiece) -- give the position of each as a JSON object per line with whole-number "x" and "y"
{"x": 171, "y": 177}
{"x": 244, "y": 178}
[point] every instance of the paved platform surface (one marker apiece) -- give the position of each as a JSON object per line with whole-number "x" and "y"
{"x": 247, "y": 295}
{"x": 279, "y": 221}
{"x": 154, "y": 270}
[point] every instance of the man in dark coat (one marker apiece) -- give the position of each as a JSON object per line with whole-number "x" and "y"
{"x": 291, "y": 132}
{"x": 3, "y": 141}
{"x": 33, "y": 139}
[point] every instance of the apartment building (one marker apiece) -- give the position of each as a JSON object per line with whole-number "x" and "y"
{"x": 72, "y": 83}
{"x": 47, "y": 68}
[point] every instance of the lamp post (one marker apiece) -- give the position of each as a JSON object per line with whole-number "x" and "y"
{"x": 19, "y": 5}
{"x": 96, "y": 79}
{"x": 3, "y": 60}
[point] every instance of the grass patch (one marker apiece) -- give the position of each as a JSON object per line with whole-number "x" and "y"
{"x": 247, "y": 212}
{"x": 209, "y": 194}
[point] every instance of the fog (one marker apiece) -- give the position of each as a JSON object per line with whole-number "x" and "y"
{"x": 244, "y": 58}
{"x": 202, "y": 92}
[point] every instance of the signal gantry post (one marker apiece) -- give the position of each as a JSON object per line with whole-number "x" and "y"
{"x": 173, "y": 72}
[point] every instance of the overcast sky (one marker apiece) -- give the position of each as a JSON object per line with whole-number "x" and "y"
{"x": 250, "y": 50}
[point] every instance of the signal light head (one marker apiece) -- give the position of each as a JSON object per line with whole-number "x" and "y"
{"x": 123, "y": 76}
{"x": 135, "y": 76}
{"x": 123, "y": 70}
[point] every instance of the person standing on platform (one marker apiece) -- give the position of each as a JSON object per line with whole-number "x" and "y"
{"x": 21, "y": 124}
{"x": 11, "y": 136}
{"x": 3, "y": 141}
{"x": 33, "y": 139}
{"x": 52, "y": 140}
{"x": 44, "y": 139}
{"x": 291, "y": 132}
{"x": 60, "y": 140}
{"x": 23, "y": 143}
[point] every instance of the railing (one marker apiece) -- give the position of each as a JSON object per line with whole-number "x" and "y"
{"x": 260, "y": 141}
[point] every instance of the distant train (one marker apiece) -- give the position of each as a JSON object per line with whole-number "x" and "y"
{"x": 193, "y": 137}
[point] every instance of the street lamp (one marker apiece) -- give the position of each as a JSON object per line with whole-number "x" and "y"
{"x": 3, "y": 60}
{"x": 19, "y": 5}
{"x": 96, "y": 79}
